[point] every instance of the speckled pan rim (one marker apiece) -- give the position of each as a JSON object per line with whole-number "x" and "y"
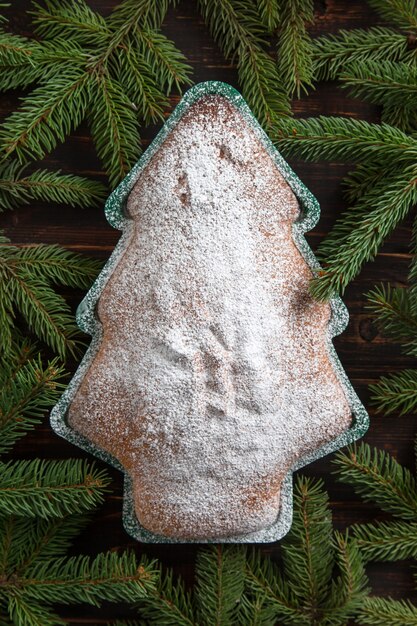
{"x": 88, "y": 322}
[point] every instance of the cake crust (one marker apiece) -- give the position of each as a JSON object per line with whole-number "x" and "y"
{"x": 213, "y": 375}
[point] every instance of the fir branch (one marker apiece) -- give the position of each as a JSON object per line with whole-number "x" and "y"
{"x": 261, "y": 87}
{"x": 386, "y": 541}
{"x": 28, "y": 540}
{"x": 67, "y": 19}
{"x": 344, "y": 139}
{"x": 332, "y": 53}
{"x": 269, "y": 11}
{"x": 167, "y": 64}
{"x": 356, "y": 237}
{"x": 268, "y": 586}
{"x": 169, "y": 604}
{"x": 25, "y": 612}
{"x": 131, "y": 13}
{"x": 350, "y": 588}
{"x": 18, "y": 66}
{"x": 27, "y": 390}
{"x": 392, "y": 309}
{"x": 396, "y": 392}
{"x": 45, "y": 312}
{"x": 382, "y": 611}
{"x": 47, "y": 116}
{"x": 256, "y": 611}
{"x": 403, "y": 13}
{"x": 308, "y": 550}
{"x": 57, "y": 265}
{"x": 145, "y": 97}
{"x": 295, "y": 52}
{"x": 45, "y": 62}
{"x": 114, "y": 128}
{"x": 107, "y": 577}
{"x": 391, "y": 85}
{"x": 43, "y": 489}
{"x": 16, "y": 188}
{"x": 305, "y": 593}
{"x": 379, "y": 478}
{"x": 237, "y": 28}
{"x": 26, "y": 276}
{"x": 365, "y": 176}
{"x": 220, "y": 574}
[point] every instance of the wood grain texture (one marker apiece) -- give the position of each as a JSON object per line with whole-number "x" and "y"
{"x": 364, "y": 353}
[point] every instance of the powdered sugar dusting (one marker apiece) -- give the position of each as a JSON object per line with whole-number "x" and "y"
{"x": 213, "y": 375}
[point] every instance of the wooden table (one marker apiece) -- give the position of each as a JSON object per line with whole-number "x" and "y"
{"x": 365, "y": 354}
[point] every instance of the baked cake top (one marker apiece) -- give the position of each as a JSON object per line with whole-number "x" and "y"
{"x": 214, "y": 372}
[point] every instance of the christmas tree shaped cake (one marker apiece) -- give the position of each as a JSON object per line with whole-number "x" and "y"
{"x": 211, "y": 375}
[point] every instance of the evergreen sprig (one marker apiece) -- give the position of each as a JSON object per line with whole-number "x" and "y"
{"x": 382, "y": 611}
{"x": 295, "y": 51}
{"x": 30, "y": 591}
{"x": 269, "y": 11}
{"x": 18, "y": 187}
{"x": 402, "y": 13}
{"x": 396, "y": 392}
{"x": 378, "y": 65}
{"x": 27, "y": 388}
{"x": 306, "y": 592}
{"x": 391, "y": 85}
{"x": 40, "y": 488}
{"x": 26, "y": 277}
{"x": 220, "y": 582}
{"x": 91, "y": 78}
{"x": 379, "y": 478}
{"x": 395, "y": 312}
{"x": 238, "y": 29}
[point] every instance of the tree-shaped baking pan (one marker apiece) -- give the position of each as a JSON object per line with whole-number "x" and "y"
{"x": 211, "y": 375}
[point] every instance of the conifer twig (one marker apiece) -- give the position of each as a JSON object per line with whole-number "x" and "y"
{"x": 27, "y": 389}
{"x": 382, "y": 611}
{"x": 50, "y": 488}
{"x": 28, "y": 275}
{"x": 295, "y": 52}
{"x": 396, "y": 392}
{"x": 220, "y": 570}
{"x": 18, "y": 188}
{"x": 379, "y": 478}
{"x": 238, "y": 30}
{"x": 386, "y": 541}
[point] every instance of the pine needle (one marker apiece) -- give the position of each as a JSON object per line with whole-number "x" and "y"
{"x": 114, "y": 128}
{"x": 357, "y": 236}
{"x": 47, "y": 116}
{"x": 383, "y": 611}
{"x": 386, "y": 541}
{"x": 396, "y": 392}
{"x": 81, "y": 579}
{"x": 27, "y": 390}
{"x": 379, "y": 478}
{"x": 393, "y": 311}
{"x": 237, "y": 28}
{"x": 220, "y": 575}
{"x": 169, "y": 604}
{"x": 269, "y": 11}
{"x": 50, "y": 488}
{"x": 18, "y": 188}
{"x": 333, "y": 53}
{"x": 391, "y": 85}
{"x": 403, "y": 13}
{"x": 27, "y": 276}
{"x": 295, "y": 52}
